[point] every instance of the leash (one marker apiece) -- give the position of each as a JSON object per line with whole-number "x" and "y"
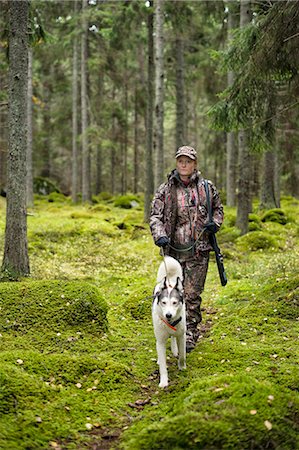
{"x": 182, "y": 250}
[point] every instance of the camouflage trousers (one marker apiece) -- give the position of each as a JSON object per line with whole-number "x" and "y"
{"x": 195, "y": 272}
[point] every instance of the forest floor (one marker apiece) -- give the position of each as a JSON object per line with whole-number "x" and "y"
{"x": 71, "y": 380}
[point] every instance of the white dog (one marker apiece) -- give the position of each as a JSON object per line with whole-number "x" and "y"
{"x": 169, "y": 315}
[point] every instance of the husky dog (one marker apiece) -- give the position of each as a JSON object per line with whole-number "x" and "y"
{"x": 169, "y": 315}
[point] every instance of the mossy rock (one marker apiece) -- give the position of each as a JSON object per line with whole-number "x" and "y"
{"x": 103, "y": 196}
{"x": 275, "y": 215}
{"x": 57, "y": 197}
{"x": 256, "y": 240}
{"x": 127, "y": 201}
{"x": 101, "y": 208}
{"x": 228, "y": 234}
{"x": 51, "y": 305}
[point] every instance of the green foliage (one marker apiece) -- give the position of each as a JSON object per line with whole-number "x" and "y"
{"x": 261, "y": 57}
{"x": 44, "y": 186}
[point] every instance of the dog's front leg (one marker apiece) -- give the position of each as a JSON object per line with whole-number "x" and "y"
{"x": 161, "y": 352}
{"x": 181, "y": 341}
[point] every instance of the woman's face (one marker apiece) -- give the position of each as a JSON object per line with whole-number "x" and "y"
{"x": 185, "y": 166}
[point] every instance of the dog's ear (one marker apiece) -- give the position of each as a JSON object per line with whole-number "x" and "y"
{"x": 179, "y": 287}
{"x": 165, "y": 283}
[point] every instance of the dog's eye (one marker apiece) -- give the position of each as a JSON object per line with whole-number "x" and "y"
{"x": 163, "y": 302}
{"x": 174, "y": 303}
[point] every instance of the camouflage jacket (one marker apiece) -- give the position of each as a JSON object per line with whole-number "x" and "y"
{"x": 180, "y": 212}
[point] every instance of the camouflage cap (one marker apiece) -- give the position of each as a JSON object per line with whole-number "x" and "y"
{"x": 185, "y": 150}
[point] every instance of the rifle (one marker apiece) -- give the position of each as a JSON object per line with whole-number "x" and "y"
{"x": 213, "y": 240}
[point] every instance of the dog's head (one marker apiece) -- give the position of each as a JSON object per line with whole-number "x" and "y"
{"x": 170, "y": 299}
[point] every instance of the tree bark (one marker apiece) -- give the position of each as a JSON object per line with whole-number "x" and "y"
{"x": 86, "y": 182}
{"x": 159, "y": 90}
{"x": 136, "y": 144}
{"x": 29, "y": 180}
{"x": 244, "y": 172}
{"x": 75, "y": 174}
{"x": 16, "y": 261}
{"x": 180, "y": 93}
{"x": 149, "y": 173}
{"x": 268, "y": 198}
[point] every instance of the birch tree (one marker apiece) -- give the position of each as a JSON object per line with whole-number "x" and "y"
{"x": 16, "y": 261}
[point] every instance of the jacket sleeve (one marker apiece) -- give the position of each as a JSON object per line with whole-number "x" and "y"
{"x": 156, "y": 221}
{"x": 217, "y": 207}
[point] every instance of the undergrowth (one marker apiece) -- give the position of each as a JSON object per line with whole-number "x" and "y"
{"x": 78, "y": 366}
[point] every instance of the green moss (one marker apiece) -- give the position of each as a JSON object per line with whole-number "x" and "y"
{"x": 274, "y": 215}
{"x": 209, "y": 414}
{"x": 62, "y": 367}
{"x": 127, "y": 201}
{"x": 257, "y": 240}
{"x": 45, "y": 305}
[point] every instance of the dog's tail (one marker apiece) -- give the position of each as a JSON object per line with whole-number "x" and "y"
{"x": 169, "y": 268}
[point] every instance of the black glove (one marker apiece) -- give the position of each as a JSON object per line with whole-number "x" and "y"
{"x": 211, "y": 227}
{"x": 162, "y": 241}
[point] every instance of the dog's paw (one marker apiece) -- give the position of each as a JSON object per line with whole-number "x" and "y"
{"x": 182, "y": 365}
{"x": 163, "y": 383}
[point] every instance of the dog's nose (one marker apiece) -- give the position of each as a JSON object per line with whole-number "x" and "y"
{"x": 168, "y": 316}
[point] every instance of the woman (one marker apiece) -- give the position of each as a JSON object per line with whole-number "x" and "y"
{"x": 180, "y": 224}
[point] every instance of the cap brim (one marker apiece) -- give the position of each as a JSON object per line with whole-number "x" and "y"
{"x": 186, "y": 154}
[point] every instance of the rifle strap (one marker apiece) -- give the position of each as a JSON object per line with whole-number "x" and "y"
{"x": 209, "y": 203}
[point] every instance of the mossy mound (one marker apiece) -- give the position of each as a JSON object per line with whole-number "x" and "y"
{"x": 254, "y": 222}
{"x": 100, "y": 207}
{"x": 51, "y": 305}
{"x": 257, "y": 240}
{"x": 209, "y": 413}
{"x": 139, "y": 309}
{"x": 275, "y": 215}
{"x": 127, "y": 201}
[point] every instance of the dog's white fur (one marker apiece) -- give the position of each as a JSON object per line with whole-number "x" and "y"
{"x": 168, "y": 306}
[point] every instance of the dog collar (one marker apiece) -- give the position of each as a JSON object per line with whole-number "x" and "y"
{"x": 173, "y": 324}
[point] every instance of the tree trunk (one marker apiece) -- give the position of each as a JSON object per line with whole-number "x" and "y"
{"x": 149, "y": 173}
{"x": 99, "y": 162}
{"x": 75, "y": 174}
{"x": 16, "y": 261}
{"x": 159, "y": 91}
{"x": 244, "y": 172}
{"x": 125, "y": 142}
{"x": 29, "y": 180}
{"x": 180, "y": 93}
{"x": 86, "y": 182}
{"x": 268, "y": 198}
{"x": 231, "y": 138}
{"x": 136, "y": 159}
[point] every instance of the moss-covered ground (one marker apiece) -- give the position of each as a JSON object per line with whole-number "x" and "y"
{"x": 77, "y": 351}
